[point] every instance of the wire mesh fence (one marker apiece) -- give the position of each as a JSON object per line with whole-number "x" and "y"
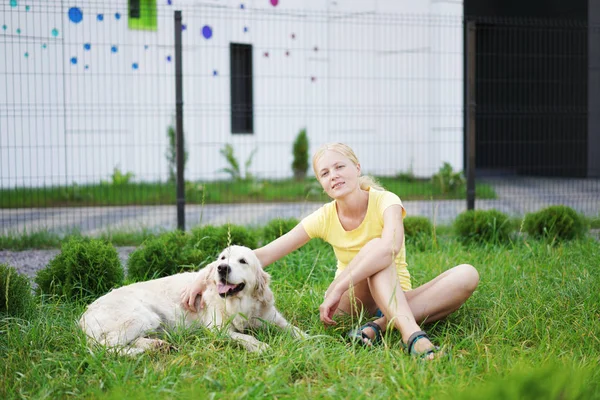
{"x": 88, "y": 105}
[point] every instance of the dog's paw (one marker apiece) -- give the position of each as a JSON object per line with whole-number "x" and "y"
{"x": 297, "y": 333}
{"x": 259, "y": 347}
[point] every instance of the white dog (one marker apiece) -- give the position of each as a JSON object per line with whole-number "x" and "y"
{"x": 237, "y": 297}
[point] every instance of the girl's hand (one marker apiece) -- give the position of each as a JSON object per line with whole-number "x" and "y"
{"x": 189, "y": 294}
{"x": 329, "y": 306}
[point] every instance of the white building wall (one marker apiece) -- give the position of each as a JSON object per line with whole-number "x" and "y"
{"x": 383, "y": 76}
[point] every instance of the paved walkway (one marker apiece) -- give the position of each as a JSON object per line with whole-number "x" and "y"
{"x": 516, "y": 197}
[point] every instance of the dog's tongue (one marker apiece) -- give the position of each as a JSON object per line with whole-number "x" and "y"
{"x": 224, "y": 287}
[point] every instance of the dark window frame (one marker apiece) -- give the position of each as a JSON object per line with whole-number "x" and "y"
{"x": 241, "y": 88}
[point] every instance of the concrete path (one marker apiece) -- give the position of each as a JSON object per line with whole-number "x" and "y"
{"x": 516, "y": 197}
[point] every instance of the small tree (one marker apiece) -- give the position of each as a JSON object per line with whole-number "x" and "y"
{"x": 300, "y": 152}
{"x": 234, "y": 169}
{"x": 171, "y": 154}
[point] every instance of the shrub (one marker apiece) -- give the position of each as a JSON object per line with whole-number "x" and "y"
{"x": 84, "y": 268}
{"x": 300, "y": 153}
{"x": 555, "y": 222}
{"x": 160, "y": 256}
{"x": 234, "y": 171}
{"x": 16, "y": 299}
{"x": 447, "y": 180}
{"x": 210, "y": 240}
{"x": 277, "y": 227}
{"x": 418, "y": 232}
{"x": 482, "y": 226}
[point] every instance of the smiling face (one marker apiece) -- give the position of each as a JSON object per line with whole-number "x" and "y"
{"x": 337, "y": 174}
{"x": 236, "y": 270}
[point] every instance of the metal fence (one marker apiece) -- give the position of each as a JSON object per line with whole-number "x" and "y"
{"x": 89, "y": 103}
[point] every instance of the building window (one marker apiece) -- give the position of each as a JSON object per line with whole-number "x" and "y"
{"x": 242, "y": 113}
{"x": 142, "y": 15}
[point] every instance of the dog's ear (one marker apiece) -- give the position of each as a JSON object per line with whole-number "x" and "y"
{"x": 263, "y": 291}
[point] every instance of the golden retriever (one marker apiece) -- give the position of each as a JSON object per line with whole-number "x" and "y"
{"x": 237, "y": 297}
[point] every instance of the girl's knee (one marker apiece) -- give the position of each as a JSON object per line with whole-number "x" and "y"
{"x": 469, "y": 276}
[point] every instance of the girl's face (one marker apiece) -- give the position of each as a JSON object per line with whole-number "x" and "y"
{"x": 337, "y": 174}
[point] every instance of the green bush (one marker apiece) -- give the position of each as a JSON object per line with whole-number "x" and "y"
{"x": 447, "y": 180}
{"x": 85, "y": 268}
{"x": 16, "y": 299}
{"x": 482, "y": 226}
{"x": 210, "y": 240}
{"x": 277, "y": 227}
{"x": 414, "y": 226}
{"x": 300, "y": 153}
{"x": 555, "y": 222}
{"x": 164, "y": 255}
{"x": 418, "y": 232}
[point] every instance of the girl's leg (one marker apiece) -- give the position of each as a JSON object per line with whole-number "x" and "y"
{"x": 428, "y": 303}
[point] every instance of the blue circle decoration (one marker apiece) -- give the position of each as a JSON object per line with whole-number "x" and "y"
{"x": 4, "y": 27}
{"x": 73, "y": 60}
{"x": 55, "y": 32}
{"x": 27, "y": 8}
{"x": 146, "y": 47}
{"x": 245, "y": 29}
{"x": 183, "y": 27}
{"x": 117, "y": 16}
{"x": 18, "y": 31}
{"x": 44, "y": 46}
{"x": 114, "y": 49}
{"x": 168, "y": 58}
{"x": 13, "y": 3}
{"x": 169, "y": 2}
{"x": 215, "y": 72}
{"x": 26, "y": 54}
{"x": 207, "y": 32}
{"x": 87, "y": 66}
{"x": 100, "y": 17}
{"x": 242, "y": 6}
{"x": 87, "y": 46}
{"x": 75, "y": 15}
{"x": 135, "y": 66}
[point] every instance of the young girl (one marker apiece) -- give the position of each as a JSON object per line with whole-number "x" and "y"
{"x": 363, "y": 224}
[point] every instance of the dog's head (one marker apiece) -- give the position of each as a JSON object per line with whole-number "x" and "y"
{"x": 237, "y": 270}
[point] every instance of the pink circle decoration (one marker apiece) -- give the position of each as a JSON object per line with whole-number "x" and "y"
{"x": 274, "y": 3}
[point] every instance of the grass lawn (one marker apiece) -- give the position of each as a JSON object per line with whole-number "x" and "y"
{"x": 107, "y": 194}
{"x": 530, "y": 331}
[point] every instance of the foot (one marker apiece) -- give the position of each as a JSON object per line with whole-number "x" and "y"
{"x": 368, "y": 334}
{"x": 419, "y": 345}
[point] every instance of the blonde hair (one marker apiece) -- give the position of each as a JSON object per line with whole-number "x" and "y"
{"x": 365, "y": 181}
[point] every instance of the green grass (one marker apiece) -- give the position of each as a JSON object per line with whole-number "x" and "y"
{"x": 107, "y": 194}
{"x": 530, "y": 331}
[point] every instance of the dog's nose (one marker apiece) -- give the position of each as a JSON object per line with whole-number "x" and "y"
{"x": 223, "y": 269}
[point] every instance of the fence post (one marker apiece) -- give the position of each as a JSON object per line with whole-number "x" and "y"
{"x": 469, "y": 108}
{"x": 179, "y": 152}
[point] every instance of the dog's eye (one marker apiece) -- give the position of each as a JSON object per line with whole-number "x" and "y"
{"x": 242, "y": 261}
{"x": 222, "y": 257}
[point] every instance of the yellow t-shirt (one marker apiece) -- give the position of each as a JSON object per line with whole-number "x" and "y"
{"x": 325, "y": 224}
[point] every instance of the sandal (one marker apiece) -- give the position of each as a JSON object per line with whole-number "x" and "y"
{"x": 410, "y": 345}
{"x": 358, "y": 334}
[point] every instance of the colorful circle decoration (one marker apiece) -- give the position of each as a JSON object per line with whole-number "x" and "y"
{"x": 100, "y": 17}
{"x": 135, "y": 65}
{"x": 87, "y": 46}
{"x": 114, "y": 49}
{"x": 75, "y": 15}
{"x": 4, "y": 27}
{"x": 207, "y": 32}
{"x": 73, "y": 60}
{"x": 13, "y": 3}
{"x": 169, "y": 2}
{"x": 55, "y": 32}
{"x": 117, "y": 16}
{"x": 274, "y": 3}
{"x": 168, "y": 58}
{"x": 44, "y": 45}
